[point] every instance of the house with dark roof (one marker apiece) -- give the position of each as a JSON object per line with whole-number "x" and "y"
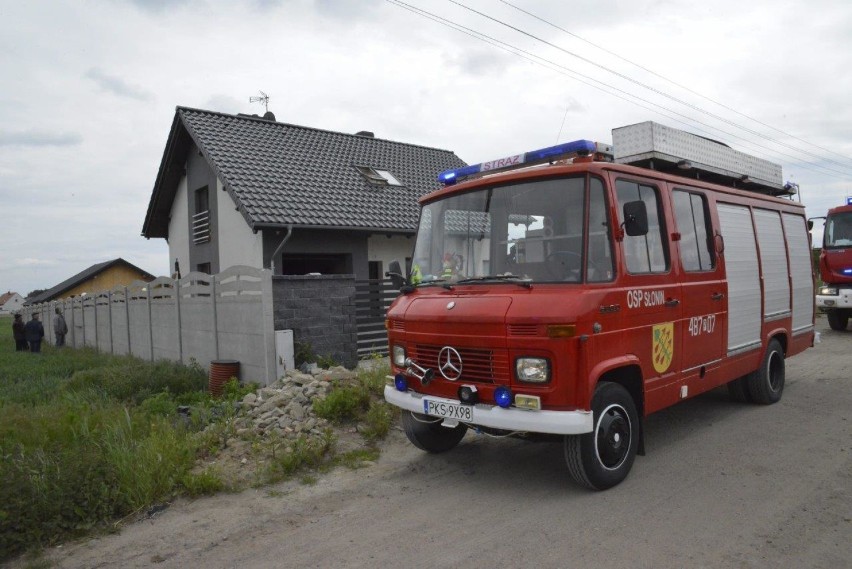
{"x": 97, "y": 278}
{"x": 247, "y": 190}
{"x": 10, "y": 302}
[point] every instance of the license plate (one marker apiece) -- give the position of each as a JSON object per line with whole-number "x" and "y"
{"x": 448, "y": 410}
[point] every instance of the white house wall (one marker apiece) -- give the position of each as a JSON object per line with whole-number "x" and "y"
{"x": 12, "y": 305}
{"x": 238, "y": 245}
{"x": 386, "y": 249}
{"x": 178, "y": 229}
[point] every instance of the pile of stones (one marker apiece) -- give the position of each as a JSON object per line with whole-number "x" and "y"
{"x": 285, "y": 408}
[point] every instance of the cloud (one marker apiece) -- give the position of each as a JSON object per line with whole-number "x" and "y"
{"x": 226, "y": 104}
{"x": 30, "y": 262}
{"x": 157, "y": 5}
{"x": 117, "y": 86}
{"x": 39, "y": 138}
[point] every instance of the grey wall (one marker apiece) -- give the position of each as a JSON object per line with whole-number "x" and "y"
{"x": 321, "y": 312}
{"x": 198, "y": 175}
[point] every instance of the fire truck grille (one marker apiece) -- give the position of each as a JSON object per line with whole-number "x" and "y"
{"x": 480, "y": 366}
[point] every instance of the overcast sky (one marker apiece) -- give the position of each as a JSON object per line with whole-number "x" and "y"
{"x": 88, "y": 92}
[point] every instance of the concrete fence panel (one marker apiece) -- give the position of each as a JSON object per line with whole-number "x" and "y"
{"x": 199, "y": 318}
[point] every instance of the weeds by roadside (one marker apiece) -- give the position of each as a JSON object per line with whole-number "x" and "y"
{"x": 88, "y": 438}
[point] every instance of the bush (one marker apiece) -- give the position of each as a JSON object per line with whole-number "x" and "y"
{"x": 343, "y": 404}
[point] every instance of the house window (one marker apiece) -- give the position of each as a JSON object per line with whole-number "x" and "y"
{"x": 203, "y": 268}
{"x": 201, "y": 218}
{"x": 378, "y": 177}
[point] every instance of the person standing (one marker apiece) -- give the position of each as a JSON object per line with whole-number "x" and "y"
{"x": 60, "y": 328}
{"x": 34, "y": 331}
{"x": 20, "y": 334}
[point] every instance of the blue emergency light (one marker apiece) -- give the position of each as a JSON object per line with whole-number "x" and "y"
{"x": 849, "y": 201}
{"x": 560, "y": 151}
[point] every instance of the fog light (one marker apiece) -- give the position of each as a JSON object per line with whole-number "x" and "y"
{"x": 503, "y": 396}
{"x": 400, "y": 382}
{"x": 468, "y": 395}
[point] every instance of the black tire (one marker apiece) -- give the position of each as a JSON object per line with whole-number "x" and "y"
{"x": 837, "y": 320}
{"x": 426, "y": 433}
{"x": 738, "y": 390}
{"x": 767, "y": 383}
{"x": 603, "y": 458}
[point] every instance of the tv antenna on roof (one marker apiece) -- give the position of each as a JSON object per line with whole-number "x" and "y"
{"x": 263, "y": 99}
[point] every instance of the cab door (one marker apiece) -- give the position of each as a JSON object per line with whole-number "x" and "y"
{"x": 652, "y": 294}
{"x": 704, "y": 289}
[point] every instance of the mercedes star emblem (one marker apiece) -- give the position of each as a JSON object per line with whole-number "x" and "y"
{"x": 450, "y": 363}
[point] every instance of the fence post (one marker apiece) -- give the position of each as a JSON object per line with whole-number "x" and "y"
{"x": 150, "y": 324}
{"x": 215, "y": 298}
{"x": 83, "y": 317}
{"x": 179, "y": 329}
{"x": 127, "y": 320}
{"x": 109, "y": 312}
{"x": 97, "y": 335}
{"x": 73, "y": 326}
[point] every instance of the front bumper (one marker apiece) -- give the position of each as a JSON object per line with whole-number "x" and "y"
{"x": 843, "y": 299}
{"x": 512, "y": 419}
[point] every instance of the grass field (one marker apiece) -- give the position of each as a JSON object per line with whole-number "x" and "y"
{"x": 87, "y": 439}
{"x": 84, "y": 440}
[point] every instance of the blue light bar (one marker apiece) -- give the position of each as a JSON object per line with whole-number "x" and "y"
{"x": 566, "y": 150}
{"x": 847, "y": 271}
{"x": 849, "y": 201}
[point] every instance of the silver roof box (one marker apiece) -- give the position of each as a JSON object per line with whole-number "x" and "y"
{"x": 658, "y": 147}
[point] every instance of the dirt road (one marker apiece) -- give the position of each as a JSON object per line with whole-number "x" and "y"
{"x": 722, "y": 485}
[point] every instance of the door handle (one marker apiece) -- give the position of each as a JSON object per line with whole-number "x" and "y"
{"x": 672, "y": 302}
{"x": 717, "y": 295}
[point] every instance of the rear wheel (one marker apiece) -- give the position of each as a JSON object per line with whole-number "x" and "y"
{"x": 603, "y": 458}
{"x": 837, "y": 320}
{"x": 427, "y": 433}
{"x": 767, "y": 383}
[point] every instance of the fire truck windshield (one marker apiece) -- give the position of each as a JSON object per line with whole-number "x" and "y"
{"x": 530, "y": 232}
{"x": 838, "y": 230}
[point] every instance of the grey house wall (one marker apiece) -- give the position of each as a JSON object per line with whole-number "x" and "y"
{"x": 198, "y": 175}
{"x": 321, "y": 312}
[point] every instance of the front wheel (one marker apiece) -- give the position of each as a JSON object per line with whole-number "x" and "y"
{"x": 837, "y": 320}
{"x": 427, "y": 433}
{"x": 767, "y": 383}
{"x": 603, "y": 458}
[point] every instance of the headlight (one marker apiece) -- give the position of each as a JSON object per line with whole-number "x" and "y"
{"x": 532, "y": 370}
{"x": 828, "y": 291}
{"x": 399, "y": 356}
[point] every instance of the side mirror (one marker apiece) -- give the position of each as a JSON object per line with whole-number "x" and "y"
{"x": 395, "y": 274}
{"x": 635, "y": 218}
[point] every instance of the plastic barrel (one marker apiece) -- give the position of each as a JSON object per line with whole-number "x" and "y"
{"x": 221, "y": 371}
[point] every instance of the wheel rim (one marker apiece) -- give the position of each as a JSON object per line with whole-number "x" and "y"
{"x": 775, "y": 371}
{"x": 613, "y": 437}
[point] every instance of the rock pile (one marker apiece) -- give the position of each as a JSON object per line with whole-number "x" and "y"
{"x": 285, "y": 408}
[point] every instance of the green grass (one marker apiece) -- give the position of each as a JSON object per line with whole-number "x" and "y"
{"x": 88, "y": 438}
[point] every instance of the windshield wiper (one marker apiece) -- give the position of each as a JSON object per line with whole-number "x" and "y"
{"x": 436, "y": 282}
{"x": 520, "y": 281}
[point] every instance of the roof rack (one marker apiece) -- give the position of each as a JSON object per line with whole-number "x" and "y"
{"x": 658, "y": 147}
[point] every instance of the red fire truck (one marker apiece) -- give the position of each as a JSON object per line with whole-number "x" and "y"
{"x": 835, "y": 267}
{"x": 573, "y": 290}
